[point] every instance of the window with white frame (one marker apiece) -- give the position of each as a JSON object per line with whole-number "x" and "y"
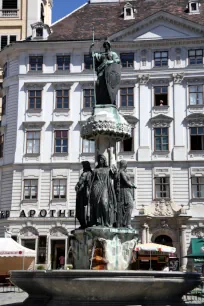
{"x": 30, "y": 189}
{"x": 59, "y": 188}
{"x": 195, "y": 57}
{"x": 197, "y": 138}
{"x": 88, "y": 62}
{"x": 88, "y": 97}
{"x": 197, "y": 187}
{"x": 161, "y": 95}
{"x": 32, "y": 142}
{"x": 88, "y": 146}
{"x": 196, "y": 94}
{"x": 34, "y": 99}
{"x": 62, "y": 99}
{"x": 127, "y": 60}
{"x": 9, "y": 4}
{"x": 63, "y": 62}
{"x": 161, "y": 139}
{"x": 160, "y": 58}
{"x": 162, "y": 187}
{"x": 7, "y": 39}
{"x": 61, "y": 141}
{"x": 127, "y": 97}
{"x": 35, "y": 63}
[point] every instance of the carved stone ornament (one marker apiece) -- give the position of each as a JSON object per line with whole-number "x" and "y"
{"x": 58, "y": 231}
{"x": 61, "y": 124}
{"x": 143, "y": 78}
{"x": 64, "y": 85}
{"x": 29, "y": 231}
{"x": 195, "y": 120}
{"x": 178, "y": 77}
{"x": 160, "y": 81}
{"x": 161, "y": 121}
{"x": 198, "y": 232}
{"x": 162, "y": 208}
{"x": 33, "y": 125}
{"x": 132, "y": 120}
{"x": 34, "y": 86}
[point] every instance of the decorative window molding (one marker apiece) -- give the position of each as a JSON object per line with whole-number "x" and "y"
{"x": 160, "y": 82}
{"x": 33, "y": 125}
{"x": 34, "y": 86}
{"x": 195, "y": 120}
{"x": 161, "y": 121}
{"x": 161, "y": 172}
{"x": 197, "y": 171}
{"x": 132, "y": 120}
{"x": 64, "y": 85}
{"x": 193, "y": 7}
{"x": 198, "y": 232}
{"x": 40, "y": 31}
{"x": 128, "y": 83}
{"x": 61, "y": 124}
{"x": 86, "y": 85}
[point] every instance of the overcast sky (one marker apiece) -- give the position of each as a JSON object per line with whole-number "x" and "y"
{"x": 63, "y": 7}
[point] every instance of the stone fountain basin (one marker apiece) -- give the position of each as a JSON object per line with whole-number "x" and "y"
{"x": 87, "y": 287}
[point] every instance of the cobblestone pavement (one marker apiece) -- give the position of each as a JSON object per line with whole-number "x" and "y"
{"x": 16, "y": 298}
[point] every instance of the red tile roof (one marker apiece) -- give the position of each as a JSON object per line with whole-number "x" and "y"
{"x": 107, "y": 19}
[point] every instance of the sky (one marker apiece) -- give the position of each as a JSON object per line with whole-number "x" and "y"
{"x": 63, "y": 7}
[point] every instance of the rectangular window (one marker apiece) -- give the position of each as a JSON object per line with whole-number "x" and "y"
{"x": 61, "y": 141}
{"x": 161, "y": 58}
{"x": 4, "y": 106}
{"x": 127, "y": 97}
{"x": 36, "y": 63}
{"x": 71, "y": 213}
{"x": 127, "y": 145}
{"x": 88, "y": 146}
{"x": 198, "y": 187}
{"x": 12, "y": 39}
{"x": 88, "y": 98}
{"x": 162, "y": 187}
{"x": 160, "y": 95}
{"x": 88, "y": 62}
{"x": 196, "y": 95}
{"x": 30, "y": 189}
{"x": 161, "y": 139}
{"x": 62, "y": 99}
{"x": 28, "y": 243}
{"x": 59, "y": 189}
{"x": 197, "y": 138}
{"x": 42, "y": 245}
{"x": 4, "y": 41}
{"x": 34, "y": 99}
{"x": 1, "y": 146}
{"x": 5, "y": 70}
{"x": 10, "y": 4}
{"x": 63, "y": 62}
{"x": 33, "y": 142}
{"x": 195, "y": 57}
{"x": 127, "y": 60}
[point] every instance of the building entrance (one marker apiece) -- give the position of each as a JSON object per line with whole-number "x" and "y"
{"x": 57, "y": 254}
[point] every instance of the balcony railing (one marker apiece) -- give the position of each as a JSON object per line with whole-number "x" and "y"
{"x": 9, "y": 13}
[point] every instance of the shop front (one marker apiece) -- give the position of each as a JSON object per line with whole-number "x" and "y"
{"x": 197, "y": 255}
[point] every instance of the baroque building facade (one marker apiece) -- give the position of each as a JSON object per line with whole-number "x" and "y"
{"x": 48, "y": 94}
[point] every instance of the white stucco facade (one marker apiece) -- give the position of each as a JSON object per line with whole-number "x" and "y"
{"x": 181, "y": 218}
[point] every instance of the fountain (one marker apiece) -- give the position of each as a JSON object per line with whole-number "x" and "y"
{"x": 102, "y": 246}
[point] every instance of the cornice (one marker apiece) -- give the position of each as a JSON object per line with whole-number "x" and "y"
{"x": 33, "y": 125}
{"x": 64, "y": 85}
{"x": 61, "y": 124}
{"x": 34, "y": 86}
{"x": 161, "y": 121}
{"x": 195, "y": 120}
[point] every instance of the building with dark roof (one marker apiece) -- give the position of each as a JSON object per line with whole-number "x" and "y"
{"x": 48, "y": 92}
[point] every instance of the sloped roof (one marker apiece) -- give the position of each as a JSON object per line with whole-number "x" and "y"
{"x": 107, "y": 18}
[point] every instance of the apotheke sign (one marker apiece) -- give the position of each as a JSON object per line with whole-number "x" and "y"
{"x": 43, "y": 213}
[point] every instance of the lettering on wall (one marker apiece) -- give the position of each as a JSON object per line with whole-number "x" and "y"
{"x": 4, "y": 214}
{"x": 43, "y": 213}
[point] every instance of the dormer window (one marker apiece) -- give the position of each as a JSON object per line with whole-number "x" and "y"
{"x": 40, "y": 31}
{"x": 193, "y": 6}
{"x": 128, "y": 11}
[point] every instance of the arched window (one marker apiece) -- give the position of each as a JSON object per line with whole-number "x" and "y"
{"x": 42, "y": 13}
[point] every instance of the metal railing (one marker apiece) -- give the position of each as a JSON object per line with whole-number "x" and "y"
{"x": 9, "y": 13}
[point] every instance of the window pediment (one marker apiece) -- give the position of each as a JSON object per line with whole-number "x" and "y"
{"x": 35, "y": 86}
{"x": 65, "y": 85}
{"x": 132, "y": 120}
{"x": 161, "y": 121}
{"x": 195, "y": 120}
{"x": 62, "y": 124}
{"x": 32, "y": 125}
{"x": 40, "y": 31}
{"x": 86, "y": 85}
